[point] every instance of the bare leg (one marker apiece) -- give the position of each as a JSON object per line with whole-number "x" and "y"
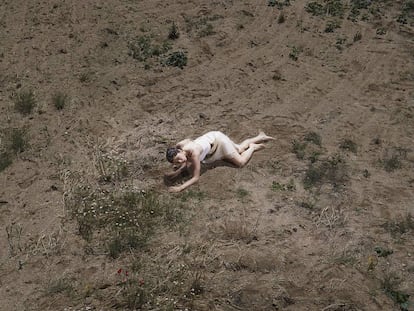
{"x": 241, "y": 160}
{"x": 262, "y": 137}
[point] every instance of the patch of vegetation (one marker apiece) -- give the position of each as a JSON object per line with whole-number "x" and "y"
{"x": 383, "y": 252}
{"x": 85, "y": 77}
{"x": 61, "y": 285}
{"x": 202, "y": 25}
{"x": 339, "y": 44}
{"x": 313, "y": 138}
{"x": 357, "y": 36}
{"x": 59, "y": 100}
{"x": 315, "y": 8}
{"x": 192, "y": 195}
{"x": 399, "y": 227}
{"x": 5, "y": 160}
{"x": 25, "y": 102}
{"x": 307, "y": 205}
{"x": 110, "y": 168}
{"x": 207, "y": 30}
{"x": 332, "y": 25}
{"x": 294, "y": 53}
{"x": 392, "y": 159}
{"x": 15, "y": 140}
{"x": 332, "y": 170}
{"x": 125, "y": 218}
{"x": 278, "y": 4}
{"x": 389, "y": 285}
{"x": 173, "y": 33}
{"x": 350, "y": 145}
{"x": 290, "y": 186}
{"x": 176, "y": 59}
{"x": 143, "y": 48}
{"x": 407, "y": 12}
{"x": 281, "y": 18}
{"x": 328, "y": 7}
{"x": 298, "y": 148}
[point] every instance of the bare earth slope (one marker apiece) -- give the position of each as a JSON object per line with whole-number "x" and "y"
{"x": 319, "y": 220}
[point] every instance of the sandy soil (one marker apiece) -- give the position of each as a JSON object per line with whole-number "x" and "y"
{"x": 256, "y": 238}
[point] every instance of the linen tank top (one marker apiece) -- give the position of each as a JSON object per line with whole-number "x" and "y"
{"x": 205, "y": 141}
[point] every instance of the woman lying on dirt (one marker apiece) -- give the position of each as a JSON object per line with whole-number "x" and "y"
{"x": 212, "y": 146}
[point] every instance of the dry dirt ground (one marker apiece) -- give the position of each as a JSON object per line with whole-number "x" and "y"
{"x": 90, "y": 99}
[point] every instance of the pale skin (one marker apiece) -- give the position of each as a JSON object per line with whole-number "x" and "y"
{"x": 189, "y": 158}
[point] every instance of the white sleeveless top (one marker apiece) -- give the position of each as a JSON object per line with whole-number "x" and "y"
{"x": 205, "y": 141}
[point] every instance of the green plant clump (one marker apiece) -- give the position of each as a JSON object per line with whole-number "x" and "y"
{"x": 25, "y": 102}
{"x": 59, "y": 100}
{"x": 176, "y": 59}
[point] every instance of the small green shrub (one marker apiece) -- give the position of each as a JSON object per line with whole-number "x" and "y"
{"x": 176, "y": 59}
{"x": 348, "y": 144}
{"x": 298, "y": 148}
{"x": 331, "y": 170}
{"x": 332, "y": 25}
{"x": 5, "y": 160}
{"x": 62, "y": 285}
{"x": 25, "y": 102}
{"x": 143, "y": 48}
{"x": 85, "y": 77}
{"x": 399, "y": 227}
{"x": 279, "y": 4}
{"x": 59, "y": 100}
{"x": 16, "y": 140}
{"x": 173, "y": 33}
{"x": 357, "y": 36}
{"x": 392, "y": 163}
{"x": 314, "y": 138}
{"x": 294, "y": 53}
{"x": 315, "y": 8}
{"x": 281, "y": 19}
{"x": 207, "y": 30}
{"x": 389, "y": 285}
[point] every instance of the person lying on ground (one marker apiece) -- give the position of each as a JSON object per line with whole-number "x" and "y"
{"x": 212, "y": 146}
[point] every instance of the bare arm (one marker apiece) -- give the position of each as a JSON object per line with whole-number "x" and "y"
{"x": 196, "y": 167}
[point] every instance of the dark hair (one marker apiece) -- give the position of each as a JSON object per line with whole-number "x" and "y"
{"x": 171, "y": 153}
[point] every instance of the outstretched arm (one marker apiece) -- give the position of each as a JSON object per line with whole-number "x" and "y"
{"x": 196, "y": 166}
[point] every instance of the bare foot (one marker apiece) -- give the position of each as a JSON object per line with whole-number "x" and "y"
{"x": 264, "y": 137}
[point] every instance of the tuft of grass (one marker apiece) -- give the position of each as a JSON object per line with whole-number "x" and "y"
{"x": 59, "y": 100}
{"x": 294, "y": 53}
{"x": 207, "y": 30}
{"x": 25, "y": 102}
{"x": 192, "y": 195}
{"x": 176, "y": 59}
{"x": 242, "y": 193}
{"x": 399, "y": 227}
{"x": 332, "y": 170}
{"x": 298, "y": 148}
{"x": 290, "y": 186}
{"x": 332, "y": 25}
{"x": 389, "y": 285}
{"x": 16, "y": 140}
{"x": 315, "y": 8}
{"x": 173, "y": 33}
{"x": 357, "y": 36}
{"x": 392, "y": 163}
{"x": 61, "y": 285}
{"x": 278, "y": 4}
{"x": 314, "y": 138}
{"x": 348, "y": 144}
{"x": 126, "y": 218}
{"x": 143, "y": 48}
{"x": 281, "y": 18}
{"x": 5, "y": 160}
{"x": 85, "y": 77}
{"x": 238, "y": 230}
